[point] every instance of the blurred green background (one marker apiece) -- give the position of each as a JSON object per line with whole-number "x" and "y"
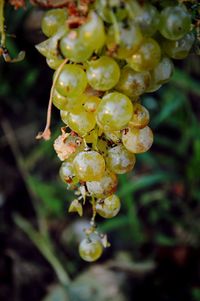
{"x": 155, "y": 240}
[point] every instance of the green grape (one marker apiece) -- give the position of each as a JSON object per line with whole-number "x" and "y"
{"x": 179, "y": 49}
{"x": 133, "y": 83}
{"x": 81, "y": 123}
{"x": 140, "y": 117}
{"x": 146, "y": 57}
{"x": 91, "y": 103}
{"x": 90, "y": 249}
{"x": 175, "y": 22}
{"x": 103, "y": 74}
{"x": 119, "y": 160}
{"x": 137, "y": 140}
{"x": 75, "y": 48}
{"x": 114, "y": 112}
{"x": 93, "y": 32}
{"x": 105, "y": 7}
{"x": 54, "y": 63}
{"x": 52, "y": 20}
{"x": 60, "y": 101}
{"x": 102, "y": 147}
{"x": 89, "y": 166}
{"x": 153, "y": 87}
{"x": 106, "y": 186}
{"x": 108, "y": 207}
{"x": 66, "y": 172}
{"x": 163, "y": 71}
{"x": 129, "y": 42}
{"x": 72, "y": 81}
{"x": 74, "y": 104}
{"x": 148, "y": 19}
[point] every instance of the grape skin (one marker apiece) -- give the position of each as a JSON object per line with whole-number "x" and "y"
{"x": 109, "y": 207}
{"x": 90, "y": 249}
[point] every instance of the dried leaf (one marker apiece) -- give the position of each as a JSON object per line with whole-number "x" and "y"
{"x": 75, "y": 206}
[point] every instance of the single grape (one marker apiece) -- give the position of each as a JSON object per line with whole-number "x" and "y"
{"x": 66, "y": 172}
{"x": 162, "y": 72}
{"x": 106, "y": 186}
{"x": 75, "y": 48}
{"x": 114, "y": 111}
{"x": 129, "y": 42}
{"x": 115, "y": 136}
{"x": 52, "y": 20}
{"x": 91, "y": 103}
{"x": 90, "y": 249}
{"x": 74, "y": 104}
{"x": 108, "y": 207}
{"x": 146, "y": 57}
{"x": 175, "y": 22}
{"x": 133, "y": 83}
{"x": 81, "y": 123}
{"x": 179, "y": 49}
{"x": 89, "y": 166}
{"x": 104, "y": 9}
{"x": 137, "y": 140}
{"x": 103, "y": 74}
{"x": 93, "y": 32}
{"x": 54, "y": 63}
{"x": 140, "y": 117}
{"x": 148, "y": 19}
{"x": 60, "y": 101}
{"x": 72, "y": 81}
{"x": 119, "y": 160}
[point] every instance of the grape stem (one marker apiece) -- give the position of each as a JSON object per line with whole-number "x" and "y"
{"x": 2, "y": 19}
{"x": 46, "y": 134}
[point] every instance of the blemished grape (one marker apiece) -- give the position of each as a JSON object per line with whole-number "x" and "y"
{"x": 73, "y": 105}
{"x": 146, "y": 57}
{"x": 89, "y": 166}
{"x": 140, "y": 117}
{"x": 106, "y": 186}
{"x": 93, "y": 32}
{"x": 81, "y": 123}
{"x": 130, "y": 40}
{"x": 163, "y": 71}
{"x": 137, "y": 140}
{"x": 179, "y": 49}
{"x": 103, "y": 74}
{"x": 133, "y": 83}
{"x": 75, "y": 48}
{"x": 72, "y": 81}
{"x": 148, "y": 19}
{"x": 52, "y": 20}
{"x": 114, "y": 111}
{"x": 115, "y": 136}
{"x": 175, "y": 22}
{"x": 91, "y": 103}
{"x": 90, "y": 249}
{"x": 60, "y": 101}
{"x": 108, "y": 207}
{"x": 120, "y": 160}
{"x": 66, "y": 172}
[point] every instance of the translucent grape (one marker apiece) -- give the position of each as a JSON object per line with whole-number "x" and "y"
{"x": 108, "y": 207}
{"x": 90, "y": 249}
{"x": 120, "y": 160}
{"x": 130, "y": 40}
{"x": 91, "y": 103}
{"x": 175, "y": 22}
{"x": 103, "y": 74}
{"x": 146, "y": 57}
{"x": 66, "y": 172}
{"x": 114, "y": 111}
{"x": 148, "y": 19}
{"x": 52, "y": 20}
{"x": 115, "y": 136}
{"x": 179, "y": 49}
{"x": 138, "y": 140}
{"x": 93, "y": 32}
{"x": 133, "y": 83}
{"x": 163, "y": 71}
{"x": 75, "y": 48}
{"x": 81, "y": 122}
{"x": 74, "y": 104}
{"x": 105, "y": 7}
{"x": 140, "y": 117}
{"x": 106, "y": 186}
{"x": 60, "y": 101}
{"x": 89, "y": 166}
{"x": 54, "y": 63}
{"x": 72, "y": 81}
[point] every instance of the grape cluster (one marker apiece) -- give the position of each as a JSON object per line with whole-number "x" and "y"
{"x": 107, "y": 54}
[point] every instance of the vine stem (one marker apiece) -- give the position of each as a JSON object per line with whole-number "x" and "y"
{"x": 2, "y": 19}
{"x": 46, "y": 134}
